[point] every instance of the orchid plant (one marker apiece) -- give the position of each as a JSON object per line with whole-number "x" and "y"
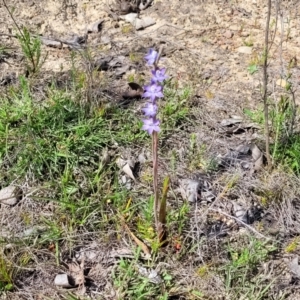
{"x": 153, "y": 92}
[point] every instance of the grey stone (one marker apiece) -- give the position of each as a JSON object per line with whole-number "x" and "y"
{"x": 62, "y": 280}
{"x": 8, "y": 195}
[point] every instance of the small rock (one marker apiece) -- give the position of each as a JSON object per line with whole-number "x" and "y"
{"x": 235, "y": 27}
{"x": 123, "y": 179}
{"x": 95, "y": 27}
{"x": 9, "y": 195}
{"x": 62, "y": 280}
{"x": 281, "y": 82}
{"x": 144, "y": 23}
{"x": 33, "y": 231}
{"x": 190, "y": 189}
{"x": 142, "y": 159}
{"x": 244, "y": 50}
{"x": 228, "y": 34}
{"x": 224, "y": 47}
{"x": 229, "y": 12}
{"x": 244, "y": 34}
{"x": 105, "y": 39}
{"x": 51, "y": 43}
{"x": 127, "y": 166}
{"x": 152, "y": 275}
{"x": 240, "y": 212}
{"x": 294, "y": 266}
{"x": 130, "y": 18}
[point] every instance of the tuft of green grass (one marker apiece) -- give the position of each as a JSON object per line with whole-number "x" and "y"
{"x": 252, "y": 68}
{"x": 6, "y": 274}
{"x": 175, "y": 108}
{"x": 130, "y": 284}
{"x": 249, "y": 42}
{"x": 285, "y": 148}
{"x": 241, "y": 271}
{"x": 198, "y": 156}
{"x": 58, "y": 133}
{"x": 179, "y": 218}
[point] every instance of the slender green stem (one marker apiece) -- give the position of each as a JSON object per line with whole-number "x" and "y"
{"x": 155, "y": 177}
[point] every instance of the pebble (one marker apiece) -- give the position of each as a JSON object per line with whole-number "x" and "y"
{"x": 190, "y": 189}
{"x": 235, "y": 27}
{"x": 8, "y": 195}
{"x": 228, "y": 34}
{"x": 281, "y": 82}
{"x": 244, "y": 50}
{"x": 244, "y": 34}
{"x": 62, "y": 280}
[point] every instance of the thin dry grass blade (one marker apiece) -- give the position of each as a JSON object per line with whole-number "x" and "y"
{"x": 142, "y": 245}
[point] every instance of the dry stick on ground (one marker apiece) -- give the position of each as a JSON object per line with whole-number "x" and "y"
{"x": 142, "y": 245}
{"x": 265, "y": 83}
{"x": 241, "y": 222}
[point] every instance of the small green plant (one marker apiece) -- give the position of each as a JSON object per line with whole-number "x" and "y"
{"x": 252, "y": 69}
{"x": 198, "y": 157}
{"x": 287, "y": 153}
{"x": 144, "y": 223}
{"x": 285, "y": 146}
{"x": 130, "y": 284}
{"x": 31, "y": 46}
{"x": 245, "y": 260}
{"x": 11, "y": 266}
{"x": 292, "y": 246}
{"x": 6, "y": 274}
{"x": 249, "y": 42}
{"x": 175, "y": 109}
{"x": 179, "y": 218}
{"x": 256, "y": 116}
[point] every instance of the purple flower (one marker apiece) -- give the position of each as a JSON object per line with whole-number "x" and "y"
{"x": 159, "y": 75}
{"x": 150, "y": 110}
{"x": 151, "y": 125}
{"x": 151, "y": 57}
{"x": 153, "y": 91}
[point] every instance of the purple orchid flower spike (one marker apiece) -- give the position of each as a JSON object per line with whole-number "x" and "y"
{"x": 151, "y": 57}
{"x": 150, "y": 110}
{"x": 153, "y": 91}
{"x": 159, "y": 75}
{"x": 151, "y": 125}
